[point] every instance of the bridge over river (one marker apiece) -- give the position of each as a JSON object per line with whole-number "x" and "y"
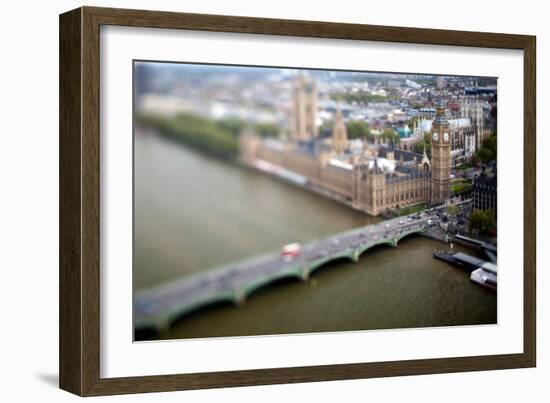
{"x": 158, "y": 307}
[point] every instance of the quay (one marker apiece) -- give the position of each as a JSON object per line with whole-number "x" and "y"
{"x": 481, "y": 272}
{"x": 464, "y": 260}
{"x": 489, "y": 249}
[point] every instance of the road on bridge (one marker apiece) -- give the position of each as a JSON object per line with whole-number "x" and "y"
{"x": 156, "y": 308}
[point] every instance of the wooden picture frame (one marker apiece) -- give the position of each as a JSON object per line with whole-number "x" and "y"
{"x": 79, "y": 346}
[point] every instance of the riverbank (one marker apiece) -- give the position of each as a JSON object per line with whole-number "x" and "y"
{"x": 201, "y": 134}
{"x": 219, "y": 138}
{"x": 194, "y": 213}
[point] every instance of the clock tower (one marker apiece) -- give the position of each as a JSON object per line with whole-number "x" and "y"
{"x": 441, "y": 157}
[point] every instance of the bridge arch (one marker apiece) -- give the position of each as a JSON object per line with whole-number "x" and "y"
{"x": 183, "y": 311}
{"x": 323, "y": 262}
{"x": 265, "y": 282}
{"x": 408, "y": 233}
{"x": 365, "y": 248}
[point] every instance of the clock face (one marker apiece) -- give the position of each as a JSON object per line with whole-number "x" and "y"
{"x": 436, "y": 136}
{"x": 446, "y": 136}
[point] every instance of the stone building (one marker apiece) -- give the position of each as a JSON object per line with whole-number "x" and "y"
{"x": 304, "y": 126}
{"x": 441, "y": 157}
{"x": 367, "y": 182}
{"x": 372, "y": 178}
{"x": 472, "y": 109}
{"x": 339, "y": 134}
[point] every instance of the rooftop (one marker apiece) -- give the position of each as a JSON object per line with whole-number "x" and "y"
{"x": 399, "y": 154}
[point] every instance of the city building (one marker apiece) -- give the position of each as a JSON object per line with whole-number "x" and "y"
{"x": 374, "y": 178}
{"x": 484, "y": 193}
{"x": 472, "y": 109}
{"x": 467, "y": 129}
{"x": 441, "y": 157}
{"x": 304, "y": 126}
{"x": 339, "y": 134}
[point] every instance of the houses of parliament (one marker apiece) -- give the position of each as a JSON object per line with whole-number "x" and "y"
{"x": 374, "y": 178}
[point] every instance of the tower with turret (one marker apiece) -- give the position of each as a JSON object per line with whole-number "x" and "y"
{"x": 473, "y": 109}
{"x": 375, "y": 184}
{"x": 304, "y": 125}
{"x": 441, "y": 157}
{"x": 339, "y": 133}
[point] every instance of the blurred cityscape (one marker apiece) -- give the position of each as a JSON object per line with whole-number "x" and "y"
{"x": 412, "y": 153}
{"x": 335, "y": 131}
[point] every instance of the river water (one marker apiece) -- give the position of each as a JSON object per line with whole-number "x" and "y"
{"x": 194, "y": 213}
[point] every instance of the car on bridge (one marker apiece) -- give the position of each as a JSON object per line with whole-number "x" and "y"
{"x": 290, "y": 251}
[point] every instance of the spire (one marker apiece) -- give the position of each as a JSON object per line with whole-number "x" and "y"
{"x": 339, "y": 133}
{"x": 338, "y": 111}
{"x": 425, "y": 160}
{"x": 376, "y": 168}
{"x": 304, "y": 111}
{"x": 440, "y": 115}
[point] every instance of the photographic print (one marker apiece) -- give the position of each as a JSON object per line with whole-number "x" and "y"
{"x": 283, "y": 200}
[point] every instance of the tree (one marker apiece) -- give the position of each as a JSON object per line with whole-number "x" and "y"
{"x": 427, "y": 137}
{"x": 361, "y": 97}
{"x": 426, "y": 141}
{"x": 483, "y": 221}
{"x": 484, "y": 155}
{"x": 488, "y": 151}
{"x": 391, "y": 136}
{"x": 452, "y": 210}
{"x": 214, "y": 137}
{"x": 233, "y": 125}
{"x": 358, "y": 129}
{"x": 490, "y": 144}
{"x": 267, "y": 129}
{"x": 476, "y": 220}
